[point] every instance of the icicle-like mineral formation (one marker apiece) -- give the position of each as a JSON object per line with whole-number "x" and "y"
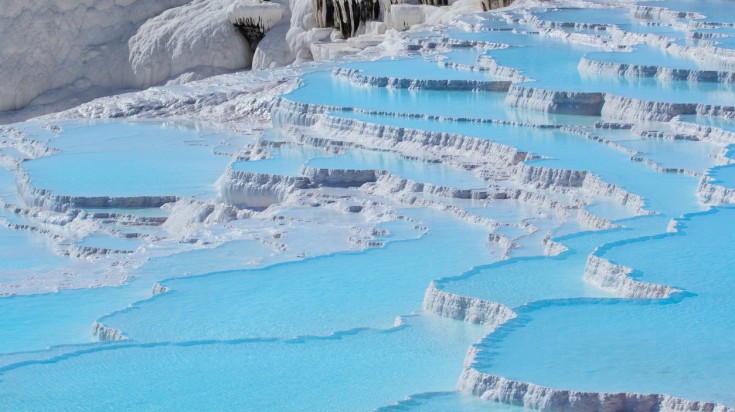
{"x": 253, "y": 18}
{"x": 346, "y": 15}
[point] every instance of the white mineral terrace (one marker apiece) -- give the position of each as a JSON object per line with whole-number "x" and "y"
{"x": 449, "y": 205}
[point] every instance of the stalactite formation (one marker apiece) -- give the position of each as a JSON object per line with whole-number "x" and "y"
{"x": 253, "y": 19}
{"x": 495, "y": 4}
{"x": 346, "y": 15}
{"x": 435, "y": 2}
{"x": 252, "y": 29}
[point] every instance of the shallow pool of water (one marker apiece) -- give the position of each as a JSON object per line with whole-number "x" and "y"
{"x": 128, "y": 159}
{"x": 600, "y": 349}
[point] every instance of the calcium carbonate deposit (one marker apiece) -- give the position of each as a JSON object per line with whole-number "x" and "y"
{"x": 389, "y": 205}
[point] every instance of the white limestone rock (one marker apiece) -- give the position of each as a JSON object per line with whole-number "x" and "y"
{"x": 616, "y": 279}
{"x": 196, "y": 38}
{"x": 51, "y": 50}
{"x": 103, "y": 333}
{"x": 273, "y": 50}
{"x": 529, "y": 395}
{"x": 464, "y": 308}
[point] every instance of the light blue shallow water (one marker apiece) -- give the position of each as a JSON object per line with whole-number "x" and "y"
{"x": 566, "y": 77}
{"x": 314, "y": 374}
{"x": 461, "y": 55}
{"x": 724, "y": 176}
{"x": 237, "y": 254}
{"x": 414, "y": 68}
{"x": 535, "y": 53}
{"x": 676, "y": 346}
{"x": 126, "y": 159}
{"x": 685, "y": 154}
{"x": 321, "y": 88}
{"x": 21, "y": 251}
{"x": 616, "y": 16}
{"x": 340, "y": 292}
{"x": 621, "y": 18}
{"x": 510, "y": 38}
{"x": 722, "y": 123}
{"x": 37, "y": 322}
{"x": 285, "y": 160}
{"x": 519, "y": 282}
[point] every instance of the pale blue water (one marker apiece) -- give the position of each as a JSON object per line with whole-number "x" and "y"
{"x": 414, "y": 68}
{"x": 127, "y": 159}
{"x": 285, "y": 160}
{"x": 340, "y": 292}
{"x": 686, "y": 154}
{"x": 20, "y": 250}
{"x": 425, "y": 355}
{"x": 143, "y": 212}
{"x": 321, "y": 88}
{"x": 592, "y": 16}
{"x": 535, "y": 53}
{"x": 509, "y": 211}
{"x": 236, "y": 254}
{"x": 518, "y": 282}
{"x": 462, "y": 55}
{"x": 722, "y": 123}
{"x": 35, "y": 322}
{"x": 608, "y": 209}
{"x": 676, "y": 346}
{"x": 724, "y": 175}
{"x": 511, "y": 38}
{"x": 534, "y": 64}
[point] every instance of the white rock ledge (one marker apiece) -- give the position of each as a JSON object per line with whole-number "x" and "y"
{"x": 608, "y": 105}
{"x": 501, "y": 161}
{"x": 619, "y": 107}
{"x": 356, "y": 77}
{"x": 595, "y": 67}
{"x": 552, "y": 101}
{"x": 257, "y": 190}
{"x": 709, "y": 134}
{"x": 391, "y": 183}
{"x": 499, "y": 389}
{"x": 340, "y": 177}
{"x": 465, "y": 308}
{"x": 615, "y": 279}
{"x": 45, "y": 199}
{"x": 713, "y": 195}
{"x": 103, "y": 333}
{"x": 159, "y": 289}
{"x": 662, "y": 13}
